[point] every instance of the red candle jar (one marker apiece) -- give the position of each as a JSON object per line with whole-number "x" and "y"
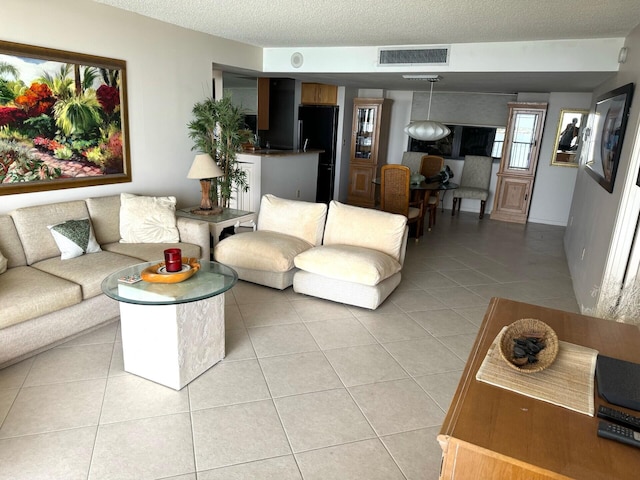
{"x": 173, "y": 259}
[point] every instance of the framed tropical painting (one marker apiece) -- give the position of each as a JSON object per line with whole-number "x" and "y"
{"x": 63, "y": 120}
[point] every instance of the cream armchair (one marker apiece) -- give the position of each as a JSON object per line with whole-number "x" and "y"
{"x": 360, "y": 260}
{"x": 265, "y": 256}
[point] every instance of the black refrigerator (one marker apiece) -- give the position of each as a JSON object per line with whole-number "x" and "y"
{"x": 318, "y": 128}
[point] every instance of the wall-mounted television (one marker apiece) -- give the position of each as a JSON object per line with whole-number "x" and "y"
{"x": 463, "y": 140}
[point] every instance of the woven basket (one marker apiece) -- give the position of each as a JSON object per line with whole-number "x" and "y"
{"x": 523, "y": 328}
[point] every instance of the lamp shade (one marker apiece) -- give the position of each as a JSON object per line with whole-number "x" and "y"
{"x": 427, "y": 130}
{"x": 204, "y": 166}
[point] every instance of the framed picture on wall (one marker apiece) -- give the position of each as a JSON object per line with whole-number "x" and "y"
{"x": 63, "y": 120}
{"x": 607, "y": 126}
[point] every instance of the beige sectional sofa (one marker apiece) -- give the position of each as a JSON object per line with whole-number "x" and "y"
{"x": 345, "y": 254}
{"x": 46, "y": 300}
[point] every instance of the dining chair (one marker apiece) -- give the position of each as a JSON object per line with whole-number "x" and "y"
{"x": 395, "y": 195}
{"x": 430, "y": 166}
{"x": 474, "y": 182}
{"x": 412, "y": 160}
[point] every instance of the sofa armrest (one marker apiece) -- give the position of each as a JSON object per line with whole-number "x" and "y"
{"x": 196, "y": 232}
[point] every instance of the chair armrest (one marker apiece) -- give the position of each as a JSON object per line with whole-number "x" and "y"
{"x": 196, "y": 232}
{"x": 419, "y": 204}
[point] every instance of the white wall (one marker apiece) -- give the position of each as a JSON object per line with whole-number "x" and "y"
{"x": 573, "y": 55}
{"x": 604, "y": 223}
{"x": 168, "y": 70}
{"x": 553, "y": 189}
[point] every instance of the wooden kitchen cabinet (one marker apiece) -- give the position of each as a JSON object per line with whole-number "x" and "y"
{"x": 319, "y": 94}
{"x": 263, "y": 103}
{"x": 370, "y": 131}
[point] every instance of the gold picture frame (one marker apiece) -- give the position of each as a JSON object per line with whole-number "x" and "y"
{"x": 63, "y": 120}
{"x": 571, "y": 124}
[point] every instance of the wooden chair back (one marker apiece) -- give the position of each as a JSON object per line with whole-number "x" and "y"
{"x": 431, "y": 165}
{"x": 394, "y": 189}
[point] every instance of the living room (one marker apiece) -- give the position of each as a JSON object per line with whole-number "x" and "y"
{"x": 170, "y": 69}
{"x": 180, "y": 63}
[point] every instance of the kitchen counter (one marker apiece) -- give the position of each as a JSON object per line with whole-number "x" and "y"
{"x": 290, "y": 174}
{"x": 271, "y": 152}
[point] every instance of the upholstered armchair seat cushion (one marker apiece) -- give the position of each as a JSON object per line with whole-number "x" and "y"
{"x": 367, "y": 228}
{"x": 471, "y": 192}
{"x": 261, "y": 250}
{"x": 348, "y": 263}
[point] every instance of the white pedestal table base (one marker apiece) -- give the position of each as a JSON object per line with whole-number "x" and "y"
{"x": 173, "y": 344}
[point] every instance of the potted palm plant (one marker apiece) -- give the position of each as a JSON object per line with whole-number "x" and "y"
{"x": 218, "y": 129}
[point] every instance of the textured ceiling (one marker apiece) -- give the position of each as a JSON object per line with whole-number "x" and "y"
{"x": 340, "y": 23}
{"x": 314, "y": 23}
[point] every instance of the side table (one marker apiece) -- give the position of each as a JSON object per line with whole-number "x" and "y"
{"x": 229, "y": 217}
{"x": 172, "y": 332}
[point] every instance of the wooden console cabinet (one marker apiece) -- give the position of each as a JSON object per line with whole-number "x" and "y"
{"x": 493, "y": 433}
{"x": 368, "y": 148}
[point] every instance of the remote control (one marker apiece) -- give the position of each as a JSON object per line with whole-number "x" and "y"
{"x": 619, "y": 417}
{"x": 618, "y": 433}
{"x": 130, "y": 279}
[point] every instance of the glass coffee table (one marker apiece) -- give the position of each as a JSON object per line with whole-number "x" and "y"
{"x": 172, "y": 332}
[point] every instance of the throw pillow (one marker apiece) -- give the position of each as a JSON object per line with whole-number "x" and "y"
{"x": 148, "y": 219}
{"x": 74, "y": 238}
{"x": 3, "y": 263}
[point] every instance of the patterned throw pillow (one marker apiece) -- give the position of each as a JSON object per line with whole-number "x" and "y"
{"x": 74, "y": 238}
{"x": 3, "y": 263}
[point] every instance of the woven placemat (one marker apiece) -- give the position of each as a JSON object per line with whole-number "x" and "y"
{"x": 568, "y": 382}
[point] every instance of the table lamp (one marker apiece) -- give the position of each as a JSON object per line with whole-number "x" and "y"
{"x": 205, "y": 168}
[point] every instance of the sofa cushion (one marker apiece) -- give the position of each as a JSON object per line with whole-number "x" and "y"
{"x": 150, "y": 252}
{"x": 304, "y": 220}
{"x": 26, "y": 293}
{"x": 260, "y": 250}
{"x": 105, "y": 218}
{"x": 74, "y": 238}
{"x": 88, "y": 271}
{"x": 3, "y": 263}
{"x": 348, "y": 263}
{"x": 32, "y": 222}
{"x": 364, "y": 227}
{"x": 148, "y": 219}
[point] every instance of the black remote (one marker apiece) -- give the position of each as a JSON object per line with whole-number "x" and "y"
{"x": 619, "y": 417}
{"x": 618, "y": 433}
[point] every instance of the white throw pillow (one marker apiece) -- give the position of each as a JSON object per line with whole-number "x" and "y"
{"x": 74, "y": 238}
{"x": 3, "y": 263}
{"x": 148, "y": 219}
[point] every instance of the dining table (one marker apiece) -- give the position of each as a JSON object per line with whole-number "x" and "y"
{"x": 426, "y": 185}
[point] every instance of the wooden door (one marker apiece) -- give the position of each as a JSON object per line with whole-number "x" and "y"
{"x": 516, "y": 175}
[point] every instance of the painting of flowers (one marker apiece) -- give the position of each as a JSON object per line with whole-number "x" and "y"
{"x": 63, "y": 120}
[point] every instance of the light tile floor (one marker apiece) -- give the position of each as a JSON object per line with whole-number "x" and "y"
{"x": 309, "y": 389}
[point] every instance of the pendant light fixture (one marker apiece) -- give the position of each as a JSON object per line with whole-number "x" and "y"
{"x": 428, "y": 129}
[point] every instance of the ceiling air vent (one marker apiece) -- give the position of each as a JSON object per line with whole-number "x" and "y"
{"x": 414, "y": 56}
